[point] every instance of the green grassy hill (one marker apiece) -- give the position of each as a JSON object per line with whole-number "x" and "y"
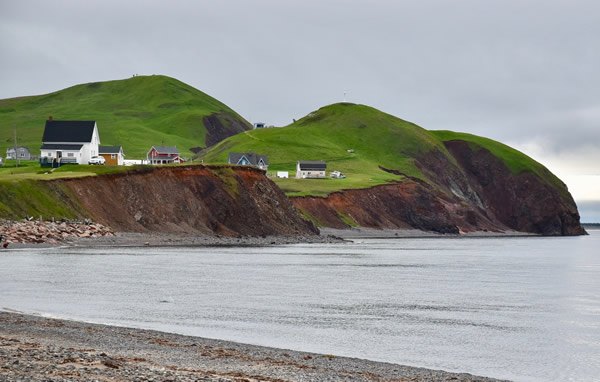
{"x": 357, "y": 140}
{"x": 136, "y": 113}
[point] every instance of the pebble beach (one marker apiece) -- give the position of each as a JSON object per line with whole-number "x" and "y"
{"x": 34, "y": 348}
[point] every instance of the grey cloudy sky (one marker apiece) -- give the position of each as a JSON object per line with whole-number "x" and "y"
{"x": 526, "y": 72}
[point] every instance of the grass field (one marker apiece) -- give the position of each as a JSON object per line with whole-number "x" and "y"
{"x": 136, "y": 113}
{"x": 143, "y": 111}
{"x": 354, "y": 139}
{"x": 31, "y": 170}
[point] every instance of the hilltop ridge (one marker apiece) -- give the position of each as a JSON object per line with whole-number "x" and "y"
{"x": 137, "y": 113}
{"x": 400, "y": 175}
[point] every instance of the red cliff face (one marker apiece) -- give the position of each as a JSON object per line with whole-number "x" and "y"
{"x": 189, "y": 199}
{"x": 477, "y": 193}
{"x": 523, "y": 202}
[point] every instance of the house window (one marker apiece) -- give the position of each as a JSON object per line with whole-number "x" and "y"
{"x": 113, "y": 156}
{"x": 50, "y": 154}
{"x": 70, "y": 154}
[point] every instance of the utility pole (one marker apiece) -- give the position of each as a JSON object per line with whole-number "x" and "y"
{"x": 16, "y": 155}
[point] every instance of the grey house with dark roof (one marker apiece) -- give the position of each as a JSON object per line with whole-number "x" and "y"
{"x": 20, "y": 153}
{"x": 69, "y": 142}
{"x": 249, "y": 159}
{"x": 310, "y": 169}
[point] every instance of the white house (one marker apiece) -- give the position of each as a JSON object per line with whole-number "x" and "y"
{"x": 310, "y": 169}
{"x": 69, "y": 142}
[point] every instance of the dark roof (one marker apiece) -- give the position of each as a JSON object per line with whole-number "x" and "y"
{"x": 166, "y": 149}
{"x": 68, "y": 131}
{"x": 315, "y": 165}
{"x": 53, "y": 146}
{"x": 109, "y": 149}
{"x": 253, "y": 158}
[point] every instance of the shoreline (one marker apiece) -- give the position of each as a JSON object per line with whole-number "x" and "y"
{"x": 327, "y": 236}
{"x": 35, "y": 348}
{"x": 372, "y": 233}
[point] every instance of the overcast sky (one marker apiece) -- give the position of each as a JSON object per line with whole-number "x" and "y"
{"x": 526, "y": 72}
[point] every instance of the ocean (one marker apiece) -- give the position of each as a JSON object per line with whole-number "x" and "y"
{"x": 523, "y": 308}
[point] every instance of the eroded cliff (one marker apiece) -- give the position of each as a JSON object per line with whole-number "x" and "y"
{"x": 471, "y": 190}
{"x": 185, "y": 199}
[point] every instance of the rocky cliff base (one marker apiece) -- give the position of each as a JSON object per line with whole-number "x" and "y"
{"x": 44, "y": 232}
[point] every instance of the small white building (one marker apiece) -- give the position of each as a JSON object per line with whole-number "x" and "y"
{"x": 69, "y": 142}
{"x": 283, "y": 174}
{"x": 306, "y": 169}
{"x": 134, "y": 162}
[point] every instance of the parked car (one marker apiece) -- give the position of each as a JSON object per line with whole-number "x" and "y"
{"x": 337, "y": 175}
{"x": 97, "y": 160}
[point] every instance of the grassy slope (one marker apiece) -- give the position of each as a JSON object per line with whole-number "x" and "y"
{"x": 377, "y": 139}
{"x": 23, "y": 192}
{"x": 137, "y": 113}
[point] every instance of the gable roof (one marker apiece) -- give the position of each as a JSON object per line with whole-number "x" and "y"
{"x": 312, "y": 165}
{"x": 109, "y": 149}
{"x": 253, "y": 158}
{"x": 68, "y": 131}
{"x": 165, "y": 149}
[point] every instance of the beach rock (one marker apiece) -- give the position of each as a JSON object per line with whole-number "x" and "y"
{"x": 48, "y": 232}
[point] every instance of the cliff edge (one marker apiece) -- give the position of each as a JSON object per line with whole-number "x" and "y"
{"x": 194, "y": 199}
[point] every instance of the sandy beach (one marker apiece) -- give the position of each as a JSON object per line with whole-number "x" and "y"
{"x": 34, "y": 348}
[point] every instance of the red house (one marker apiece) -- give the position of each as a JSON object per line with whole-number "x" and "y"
{"x": 164, "y": 155}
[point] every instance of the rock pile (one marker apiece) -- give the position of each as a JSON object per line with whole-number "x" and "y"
{"x": 47, "y": 232}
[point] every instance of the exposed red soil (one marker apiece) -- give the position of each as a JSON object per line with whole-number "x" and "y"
{"x": 477, "y": 193}
{"x": 189, "y": 199}
{"x": 523, "y": 202}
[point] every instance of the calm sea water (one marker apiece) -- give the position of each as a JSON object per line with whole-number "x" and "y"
{"x": 519, "y": 308}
